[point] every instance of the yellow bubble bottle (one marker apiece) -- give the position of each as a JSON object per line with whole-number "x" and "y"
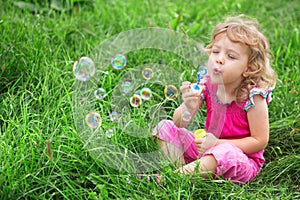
{"x": 200, "y": 133}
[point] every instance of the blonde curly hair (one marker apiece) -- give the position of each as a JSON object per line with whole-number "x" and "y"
{"x": 245, "y": 30}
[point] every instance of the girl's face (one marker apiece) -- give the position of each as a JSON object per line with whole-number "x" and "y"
{"x": 227, "y": 61}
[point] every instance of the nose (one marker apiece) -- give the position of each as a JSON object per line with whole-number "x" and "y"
{"x": 220, "y": 60}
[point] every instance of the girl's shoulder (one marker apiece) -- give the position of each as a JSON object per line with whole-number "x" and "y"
{"x": 265, "y": 93}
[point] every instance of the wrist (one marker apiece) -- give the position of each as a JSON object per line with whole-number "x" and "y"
{"x": 219, "y": 141}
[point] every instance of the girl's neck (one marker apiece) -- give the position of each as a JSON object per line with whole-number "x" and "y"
{"x": 226, "y": 94}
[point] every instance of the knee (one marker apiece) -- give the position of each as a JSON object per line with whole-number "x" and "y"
{"x": 163, "y": 126}
{"x": 208, "y": 163}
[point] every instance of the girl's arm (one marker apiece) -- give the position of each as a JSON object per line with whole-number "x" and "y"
{"x": 177, "y": 116}
{"x": 191, "y": 104}
{"x": 258, "y": 119}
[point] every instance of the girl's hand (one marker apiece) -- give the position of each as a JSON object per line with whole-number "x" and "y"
{"x": 203, "y": 144}
{"x": 190, "y": 99}
{"x": 187, "y": 110}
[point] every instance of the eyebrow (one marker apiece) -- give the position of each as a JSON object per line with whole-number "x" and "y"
{"x": 228, "y": 49}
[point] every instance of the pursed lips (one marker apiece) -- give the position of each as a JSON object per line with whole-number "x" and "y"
{"x": 217, "y": 71}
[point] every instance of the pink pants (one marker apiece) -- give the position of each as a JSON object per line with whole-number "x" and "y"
{"x": 232, "y": 163}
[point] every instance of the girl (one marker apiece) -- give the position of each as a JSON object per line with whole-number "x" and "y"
{"x": 239, "y": 82}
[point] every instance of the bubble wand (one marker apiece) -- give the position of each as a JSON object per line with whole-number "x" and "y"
{"x": 196, "y": 87}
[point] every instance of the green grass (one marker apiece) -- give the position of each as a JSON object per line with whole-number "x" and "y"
{"x": 37, "y": 52}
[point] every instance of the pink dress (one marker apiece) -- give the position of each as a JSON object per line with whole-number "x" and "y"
{"x": 225, "y": 121}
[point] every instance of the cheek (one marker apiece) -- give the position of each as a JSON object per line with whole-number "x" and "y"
{"x": 209, "y": 70}
{"x": 210, "y": 64}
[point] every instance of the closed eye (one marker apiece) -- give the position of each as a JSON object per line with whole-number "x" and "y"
{"x": 231, "y": 56}
{"x": 215, "y": 51}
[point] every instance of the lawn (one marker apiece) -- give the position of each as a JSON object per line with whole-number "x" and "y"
{"x": 46, "y": 152}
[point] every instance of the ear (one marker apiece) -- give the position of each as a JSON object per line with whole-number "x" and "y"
{"x": 246, "y": 72}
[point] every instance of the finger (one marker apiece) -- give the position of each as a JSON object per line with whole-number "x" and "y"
{"x": 186, "y": 83}
{"x": 185, "y": 88}
{"x": 198, "y": 148}
{"x": 198, "y": 141}
{"x": 191, "y": 102}
{"x": 202, "y": 150}
{"x": 190, "y": 95}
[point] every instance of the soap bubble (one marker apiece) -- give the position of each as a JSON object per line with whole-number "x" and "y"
{"x": 134, "y": 122}
{"x": 109, "y": 133}
{"x": 126, "y": 87}
{"x": 84, "y": 69}
{"x": 146, "y": 93}
{"x": 100, "y": 93}
{"x": 147, "y": 73}
{"x": 114, "y": 116}
{"x": 171, "y": 92}
{"x": 135, "y": 100}
{"x": 93, "y": 120}
{"x": 118, "y": 61}
{"x": 202, "y": 70}
{"x": 186, "y": 116}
